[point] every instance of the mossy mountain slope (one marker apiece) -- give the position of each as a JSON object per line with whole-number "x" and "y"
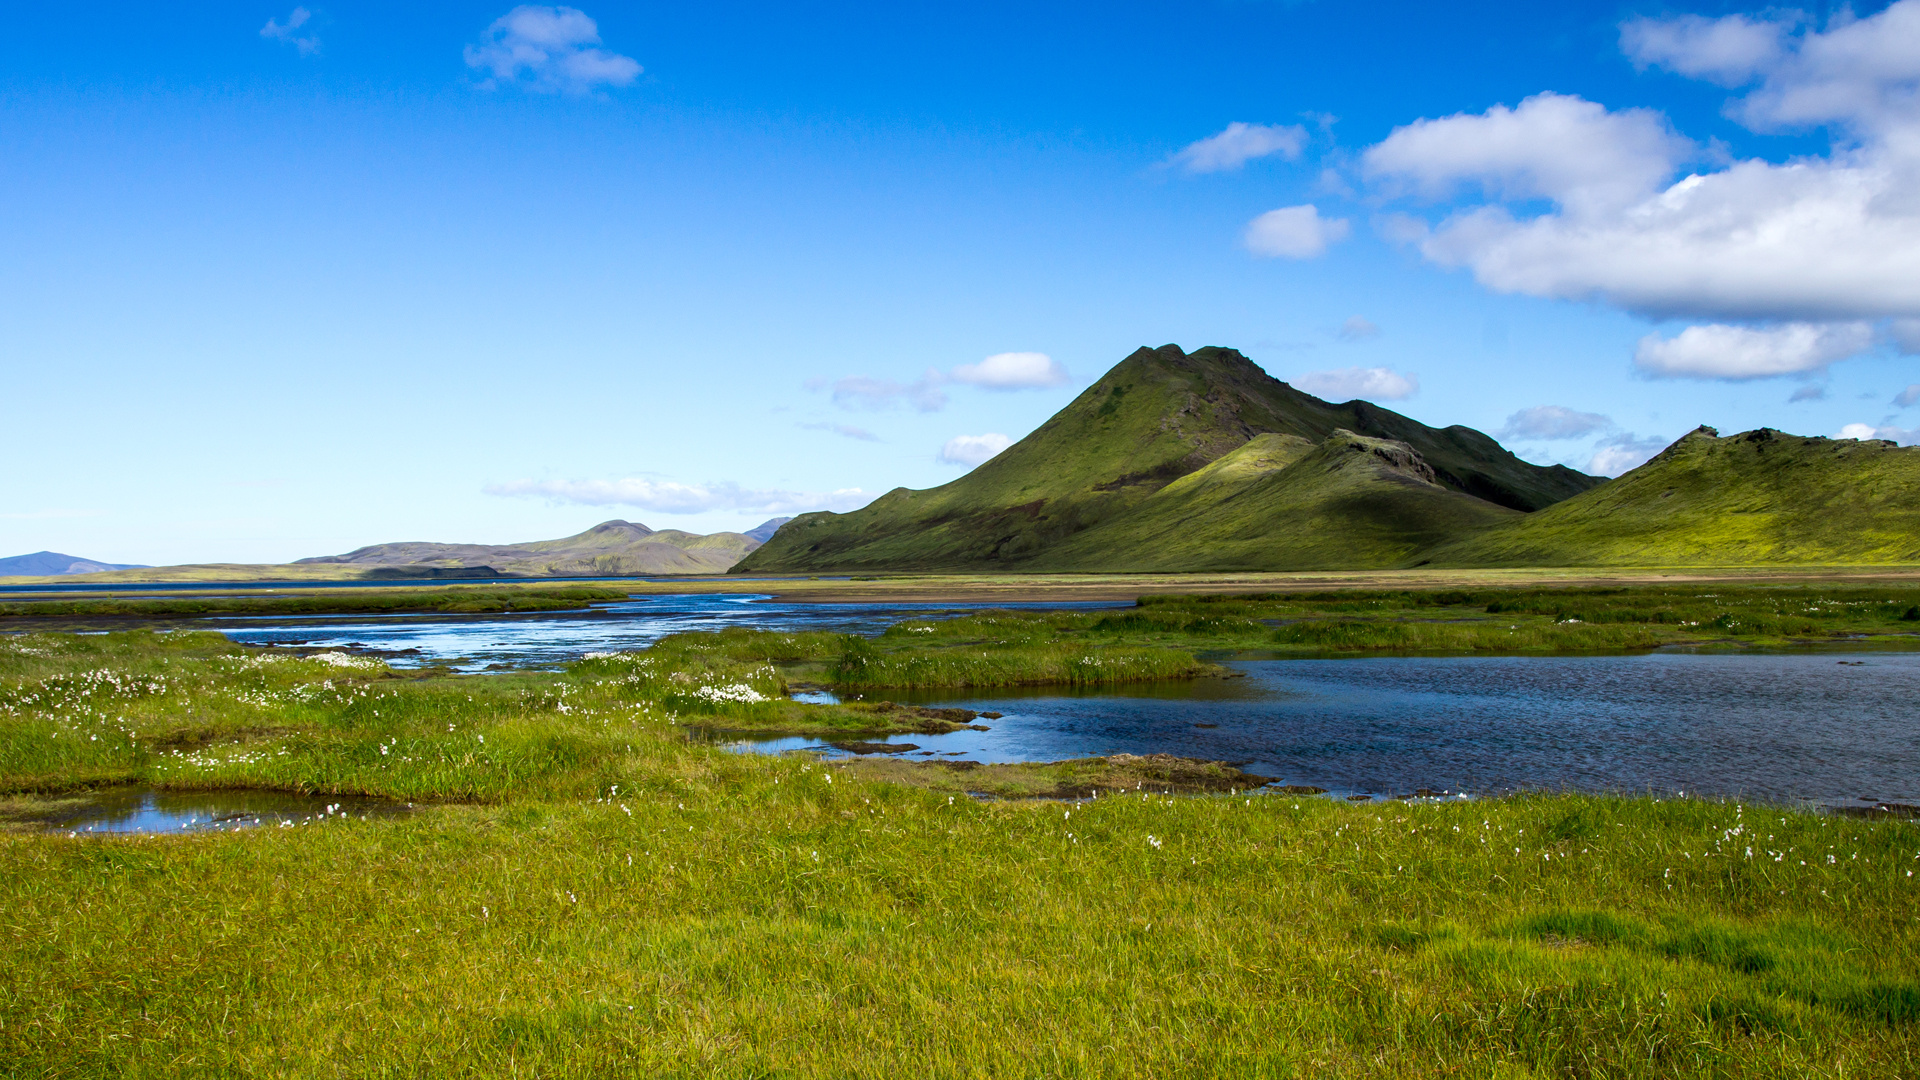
{"x": 1282, "y": 503}
{"x": 1758, "y": 498}
{"x": 1160, "y": 415}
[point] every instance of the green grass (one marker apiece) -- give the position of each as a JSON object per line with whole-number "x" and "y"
{"x": 597, "y": 894}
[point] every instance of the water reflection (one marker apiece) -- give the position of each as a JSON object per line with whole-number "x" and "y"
{"x": 477, "y": 642}
{"x": 147, "y": 810}
{"x": 1777, "y": 727}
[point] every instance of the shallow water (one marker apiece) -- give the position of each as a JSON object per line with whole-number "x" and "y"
{"x": 475, "y": 642}
{"x": 148, "y": 810}
{"x": 1828, "y": 728}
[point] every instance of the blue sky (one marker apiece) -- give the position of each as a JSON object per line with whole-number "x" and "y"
{"x": 283, "y": 281}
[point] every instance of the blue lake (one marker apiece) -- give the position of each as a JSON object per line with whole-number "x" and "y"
{"x": 1820, "y": 727}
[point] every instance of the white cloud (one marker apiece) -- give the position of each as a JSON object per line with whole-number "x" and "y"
{"x": 1820, "y": 239}
{"x": 1345, "y": 384}
{"x": 667, "y": 497}
{"x": 1908, "y": 396}
{"x": 548, "y": 49}
{"x": 971, "y": 450}
{"x": 1809, "y": 392}
{"x": 1553, "y": 422}
{"x": 290, "y": 32}
{"x": 1553, "y": 146}
{"x": 1294, "y": 232}
{"x": 1717, "y": 351}
{"x": 1622, "y": 453}
{"x": 1357, "y": 328}
{"x": 1012, "y": 371}
{"x": 1239, "y": 144}
{"x": 847, "y": 430}
{"x": 864, "y": 392}
{"x": 1904, "y": 436}
{"x": 1728, "y": 51}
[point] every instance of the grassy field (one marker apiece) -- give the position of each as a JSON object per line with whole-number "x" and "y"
{"x": 587, "y": 891}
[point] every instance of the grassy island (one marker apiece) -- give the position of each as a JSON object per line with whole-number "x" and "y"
{"x": 585, "y": 890}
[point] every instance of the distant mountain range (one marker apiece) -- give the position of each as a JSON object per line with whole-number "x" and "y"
{"x": 611, "y": 548}
{"x": 54, "y": 564}
{"x": 1202, "y": 462}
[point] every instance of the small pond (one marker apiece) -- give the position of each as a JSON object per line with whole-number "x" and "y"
{"x": 138, "y": 809}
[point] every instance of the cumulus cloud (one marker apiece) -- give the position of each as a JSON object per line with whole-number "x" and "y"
{"x": 972, "y": 450}
{"x": 1623, "y": 453}
{"x": 1904, "y": 436}
{"x": 667, "y": 497}
{"x": 847, "y": 430}
{"x": 548, "y": 49}
{"x": 1239, "y": 144}
{"x": 1357, "y": 328}
{"x": 1345, "y": 384}
{"x": 1294, "y": 232}
{"x": 1012, "y": 371}
{"x": 1729, "y": 51}
{"x": 1908, "y": 396}
{"x": 295, "y": 31}
{"x": 1553, "y": 422}
{"x": 1553, "y": 146}
{"x": 864, "y": 392}
{"x": 1822, "y": 239}
{"x": 1718, "y": 351}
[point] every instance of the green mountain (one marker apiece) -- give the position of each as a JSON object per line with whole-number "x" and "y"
{"x": 611, "y": 548}
{"x": 1281, "y": 502}
{"x": 1762, "y": 497}
{"x": 1160, "y": 416}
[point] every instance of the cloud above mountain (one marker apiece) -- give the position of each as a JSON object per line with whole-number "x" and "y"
{"x": 1789, "y": 267}
{"x": 1001, "y": 371}
{"x": 1371, "y": 383}
{"x": 1553, "y": 422}
{"x": 669, "y": 497}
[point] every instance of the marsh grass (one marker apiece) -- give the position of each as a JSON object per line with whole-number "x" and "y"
{"x": 599, "y": 895}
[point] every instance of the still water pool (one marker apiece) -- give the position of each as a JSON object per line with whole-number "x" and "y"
{"x": 1835, "y": 729}
{"x": 147, "y": 810}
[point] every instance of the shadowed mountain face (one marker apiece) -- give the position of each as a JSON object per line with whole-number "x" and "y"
{"x": 54, "y": 564}
{"x": 609, "y": 548}
{"x": 1757, "y": 498}
{"x": 1062, "y": 497}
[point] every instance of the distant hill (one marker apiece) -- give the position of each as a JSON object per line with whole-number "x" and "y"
{"x": 1758, "y": 498}
{"x": 612, "y": 548}
{"x": 54, "y": 564}
{"x": 1065, "y": 496}
{"x": 764, "y": 531}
